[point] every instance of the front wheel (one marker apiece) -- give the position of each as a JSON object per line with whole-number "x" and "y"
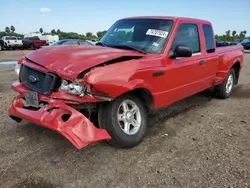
{"x": 224, "y": 90}
{"x": 125, "y": 119}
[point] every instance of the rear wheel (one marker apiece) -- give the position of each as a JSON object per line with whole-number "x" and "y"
{"x": 125, "y": 119}
{"x": 6, "y": 47}
{"x": 224, "y": 90}
{"x": 32, "y": 47}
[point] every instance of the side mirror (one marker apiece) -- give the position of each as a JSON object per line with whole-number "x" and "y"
{"x": 181, "y": 51}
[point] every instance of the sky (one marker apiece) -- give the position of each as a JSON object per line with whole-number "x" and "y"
{"x": 82, "y": 16}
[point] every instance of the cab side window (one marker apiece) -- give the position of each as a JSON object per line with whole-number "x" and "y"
{"x": 187, "y": 35}
{"x": 209, "y": 38}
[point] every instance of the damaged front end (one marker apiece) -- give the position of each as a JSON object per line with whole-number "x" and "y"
{"x": 56, "y": 105}
{"x": 63, "y": 119}
{"x": 60, "y": 99}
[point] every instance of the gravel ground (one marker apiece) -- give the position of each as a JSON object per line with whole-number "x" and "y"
{"x": 12, "y": 55}
{"x": 198, "y": 142}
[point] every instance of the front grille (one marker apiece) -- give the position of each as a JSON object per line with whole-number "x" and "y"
{"x": 36, "y": 80}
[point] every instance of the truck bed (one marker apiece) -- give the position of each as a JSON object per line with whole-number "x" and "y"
{"x": 225, "y": 49}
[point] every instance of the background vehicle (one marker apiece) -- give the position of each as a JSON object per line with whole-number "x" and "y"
{"x": 93, "y": 41}
{"x": 239, "y": 41}
{"x": 70, "y": 37}
{"x": 49, "y": 38}
{"x": 220, "y": 43}
{"x": 32, "y": 34}
{"x": 137, "y": 66}
{"x": 233, "y": 43}
{"x": 11, "y": 42}
{"x": 33, "y": 42}
{"x": 1, "y": 44}
{"x": 69, "y": 42}
{"x": 246, "y": 43}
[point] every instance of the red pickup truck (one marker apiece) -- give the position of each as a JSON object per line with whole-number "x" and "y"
{"x": 140, "y": 64}
{"x": 33, "y": 42}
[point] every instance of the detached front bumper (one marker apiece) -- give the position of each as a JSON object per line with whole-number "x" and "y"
{"x": 63, "y": 119}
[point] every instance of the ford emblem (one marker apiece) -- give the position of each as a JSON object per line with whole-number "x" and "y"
{"x": 32, "y": 79}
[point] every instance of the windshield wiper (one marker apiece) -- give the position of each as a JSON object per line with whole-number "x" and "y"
{"x": 101, "y": 44}
{"x": 128, "y": 48}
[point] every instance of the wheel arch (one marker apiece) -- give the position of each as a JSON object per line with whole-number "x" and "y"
{"x": 236, "y": 66}
{"x": 144, "y": 95}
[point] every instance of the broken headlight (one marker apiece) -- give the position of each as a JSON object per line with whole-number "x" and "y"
{"x": 73, "y": 88}
{"x": 17, "y": 69}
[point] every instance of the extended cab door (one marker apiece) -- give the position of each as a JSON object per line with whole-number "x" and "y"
{"x": 183, "y": 76}
{"x": 210, "y": 58}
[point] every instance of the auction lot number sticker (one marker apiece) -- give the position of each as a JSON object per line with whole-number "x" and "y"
{"x": 157, "y": 33}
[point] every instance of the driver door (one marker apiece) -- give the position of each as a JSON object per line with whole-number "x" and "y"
{"x": 183, "y": 74}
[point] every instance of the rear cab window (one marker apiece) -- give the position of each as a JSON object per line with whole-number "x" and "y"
{"x": 10, "y": 38}
{"x": 209, "y": 38}
{"x": 187, "y": 35}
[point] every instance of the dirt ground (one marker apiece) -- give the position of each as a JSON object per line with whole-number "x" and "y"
{"x": 12, "y": 55}
{"x": 198, "y": 142}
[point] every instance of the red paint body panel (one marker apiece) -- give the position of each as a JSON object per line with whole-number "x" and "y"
{"x": 182, "y": 77}
{"x": 69, "y": 61}
{"x": 77, "y": 129}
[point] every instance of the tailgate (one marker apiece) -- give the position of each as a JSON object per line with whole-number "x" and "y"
{"x": 224, "y": 49}
{"x": 19, "y": 42}
{"x": 11, "y": 42}
{"x": 15, "y": 42}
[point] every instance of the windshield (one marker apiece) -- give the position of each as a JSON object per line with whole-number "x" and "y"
{"x": 60, "y": 42}
{"x": 147, "y": 35}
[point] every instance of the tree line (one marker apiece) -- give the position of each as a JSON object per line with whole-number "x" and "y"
{"x": 228, "y": 36}
{"x": 10, "y": 31}
{"x": 231, "y": 36}
{"x": 88, "y": 36}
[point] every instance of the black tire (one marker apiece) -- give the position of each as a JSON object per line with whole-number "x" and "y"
{"x": 32, "y": 47}
{"x": 108, "y": 119}
{"x": 221, "y": 90}
{"x": 6, "y": 47}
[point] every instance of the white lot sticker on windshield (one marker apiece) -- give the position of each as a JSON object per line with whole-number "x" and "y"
{"x": 155, "y": 44}
{"x": 158, "y": 33}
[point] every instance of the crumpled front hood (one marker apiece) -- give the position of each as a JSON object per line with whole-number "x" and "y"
{"x": 69, "y": 61}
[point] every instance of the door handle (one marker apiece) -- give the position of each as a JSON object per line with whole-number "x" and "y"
{"x": 202, "y": 62}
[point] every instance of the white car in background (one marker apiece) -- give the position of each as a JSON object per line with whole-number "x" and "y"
{"x": 11, "y": 42}
{"x": 49, "y": 38}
